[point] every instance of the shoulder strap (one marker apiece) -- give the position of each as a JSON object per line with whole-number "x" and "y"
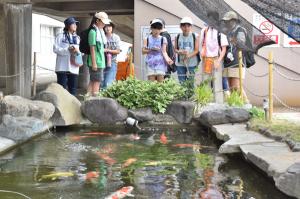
{"x": 67, "y": 35}
{"x": 219, "y": 39}
{"x": 194, "y": 39}
{"x": 177, "y": 39}
{"x": 162, "y": 41}
{"x": 147, "y": 42}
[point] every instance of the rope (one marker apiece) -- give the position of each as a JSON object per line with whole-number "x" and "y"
{"x": 285, "y": 76}
{"x": 258, "y": 76}
{"x": 284, "y": 104}
{"x": 6, "y": 191}
{"x": 252, "y": 93}
{"x": 15, "y": 75}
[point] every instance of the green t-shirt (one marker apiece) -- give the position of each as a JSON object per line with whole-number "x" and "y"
{"x": 99, "y": 50}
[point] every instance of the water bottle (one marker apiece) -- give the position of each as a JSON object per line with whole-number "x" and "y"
{"x": 108, "y": 59}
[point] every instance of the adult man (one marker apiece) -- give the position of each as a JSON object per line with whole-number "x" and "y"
{"x": 213, "y": 50}
{"x": 187, "y": 48}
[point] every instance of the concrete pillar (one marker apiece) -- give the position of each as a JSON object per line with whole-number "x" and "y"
{"x": 16, "y": 45}
{"x": 84, "y": 77}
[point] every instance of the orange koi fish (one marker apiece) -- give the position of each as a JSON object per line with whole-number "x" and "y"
{"x": 98, "y": 133}
{"x": 163, "y": 138}
{"x": 121, "y": 193}
{"x": 128, "y": 162}
{"x": 106, "y": 158}
{"x": 108, "y": 148}
{"x": 91, "y": 175}
{"x": 79, "y": 137}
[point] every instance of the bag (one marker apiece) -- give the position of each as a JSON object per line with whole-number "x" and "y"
{"x": 76, "y": 59}
{"x": 194, "y": 41}
{"x": 170, "y": 51}
{"x": 232, "y": 54}
{"x": 84, "y": 46}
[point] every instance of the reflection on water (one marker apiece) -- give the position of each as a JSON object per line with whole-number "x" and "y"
{"x": 96, "y": 163}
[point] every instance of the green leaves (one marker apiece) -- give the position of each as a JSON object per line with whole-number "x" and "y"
{"x": 235, "y": 99}
{"x": 133, "y": 93}
{"x": 203, "y": 94}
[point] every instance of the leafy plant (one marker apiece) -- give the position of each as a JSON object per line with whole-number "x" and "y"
{"x": 133, "y": 93}
{"x": 203, "y": 93}
{"x": 235, "y": 99}
{"x": 257, "y": 113}
{"x": 188, "y": 85}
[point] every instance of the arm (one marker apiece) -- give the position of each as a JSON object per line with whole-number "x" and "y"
{"x": 179, "y": 52}
{"x": 92, "y": 44}
{"x": 165, "y": 54}
{"x": 117, "y": 50}
{"x": 196, "y": 50}
{"x": 145, "y": 50}
{"x": 57, "y": 47}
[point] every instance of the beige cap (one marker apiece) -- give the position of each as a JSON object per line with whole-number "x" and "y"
{"x": 186, "y": 20}
{"x": 230, "y": 15}
{"x": 103, "y": 17}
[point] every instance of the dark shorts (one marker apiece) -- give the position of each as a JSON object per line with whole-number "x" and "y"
{"x": 96, "y": 76}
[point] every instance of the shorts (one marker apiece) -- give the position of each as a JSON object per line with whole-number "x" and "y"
{"x": 151, "y": 71}
{"x": 233, "y": 72}
{"x": 96, "y": 76}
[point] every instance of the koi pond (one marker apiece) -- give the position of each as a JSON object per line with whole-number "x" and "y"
{"x": 160, "y": 162}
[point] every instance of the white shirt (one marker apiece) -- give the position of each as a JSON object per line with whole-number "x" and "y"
{"x": 212, "y": 44}
{"x": 61, "y": 48}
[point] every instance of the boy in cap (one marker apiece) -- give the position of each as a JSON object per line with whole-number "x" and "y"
{"x": 187, "y": 48}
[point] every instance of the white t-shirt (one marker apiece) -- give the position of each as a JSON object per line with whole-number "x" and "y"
{"x": 212, "y": 44}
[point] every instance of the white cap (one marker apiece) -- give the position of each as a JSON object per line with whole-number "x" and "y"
{"x": 186, "y": 20}
{"x": 103, "y": 17}
{"x": 157, "y": 21}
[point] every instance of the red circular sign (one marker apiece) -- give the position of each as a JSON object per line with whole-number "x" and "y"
{"x": 266, "y": 27}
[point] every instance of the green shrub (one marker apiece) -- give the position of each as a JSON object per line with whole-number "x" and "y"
{"x": 133, "y": 93}
{"x": 188, "y": 86}
{"x": 203, "y": 93}
{"x": 257, "y": 113}
{"x": 235, "y": 99}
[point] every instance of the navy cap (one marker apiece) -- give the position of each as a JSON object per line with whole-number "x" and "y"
{"x": 70, "y": 21}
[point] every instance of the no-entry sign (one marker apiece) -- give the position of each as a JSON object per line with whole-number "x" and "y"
{"x": 269, "y": 29}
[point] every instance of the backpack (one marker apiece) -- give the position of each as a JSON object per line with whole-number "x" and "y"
{"x": 247, "y": 54}
{"x": 84, "y": 46}
{"x": 194, "y": 41}
{"x": 170, "y": 51}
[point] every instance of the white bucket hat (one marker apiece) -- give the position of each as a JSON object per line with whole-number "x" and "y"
{"x": 103, "y": 17}
{"x": 186, "y": 20}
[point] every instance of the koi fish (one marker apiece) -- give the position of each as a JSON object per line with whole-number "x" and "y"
{"x": 211, "y": 193}
{"x": 91, "y": 175}
{"x": 163, "y": 138}
{"x": 108, "y": 148}
{"x": 106, "y": 158}
{"x": 80, "y": 137}
{"x": 98, "y": 133}
{"x": 121, "y": 193}
{"x": 56, "y": 175}
{"x": 128, "y": 162}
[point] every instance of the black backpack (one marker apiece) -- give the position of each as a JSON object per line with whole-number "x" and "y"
{"x": 84, "y": 46}
{"x": 170, "y": 51}
{"x": 194, "y": 40}
{"x": 248, "y": 52}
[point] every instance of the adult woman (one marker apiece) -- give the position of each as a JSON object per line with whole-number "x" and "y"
{"x": 111, "y": 51}
{"x": 155, "y": 47}
{"x": 66, "y": 46}
{"x": 96, "y": 59}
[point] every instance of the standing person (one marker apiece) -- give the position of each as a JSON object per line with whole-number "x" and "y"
{"x": 213, "y": 50}
{"x": 155, "y": 47}
{"x": 170, "y": 49}
{"x": 66, "y": 46}
{"x": 111, "y": 51}
{"x": 96, "y": 58}
{"x": 187, "y": 49}
{"x": 236, "y": 35}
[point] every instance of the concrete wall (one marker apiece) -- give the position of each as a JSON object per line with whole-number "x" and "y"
{"x": 2, "y": 51}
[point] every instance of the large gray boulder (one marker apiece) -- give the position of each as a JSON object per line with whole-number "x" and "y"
{"x": 17, "y": 106}
{"x": 223, "y": 116}
{"x": 182, "y": 111}
{"x": 67, "y": 107}
{"x": 21, "y": 129}
{"x": 142, "y": 115}
{"x": 103, "y": 110}
{"x": 289, "y": 182}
